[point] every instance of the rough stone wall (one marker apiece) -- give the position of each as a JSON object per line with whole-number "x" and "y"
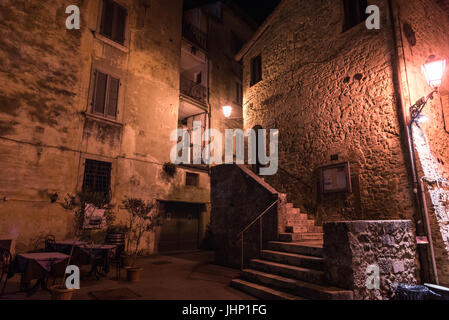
{"x": 430, "y": 35}
{"x": 331, "y": 93}
{"x": 46, "y": 131}
{"x": 351, "y": 248}
{"x": 237, "y": 199}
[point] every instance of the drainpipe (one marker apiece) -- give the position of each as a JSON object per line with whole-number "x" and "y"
{"x": 418, "y": 188}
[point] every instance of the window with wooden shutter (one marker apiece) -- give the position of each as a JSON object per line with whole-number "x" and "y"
{"x": 106, "y": 94}
{"x": 113, "y": 21}
{"x": 256, "y": 70}
{"x": 238, "y": 93}
{"x": 355, "y": 12}
{"x": 445, "y": 104}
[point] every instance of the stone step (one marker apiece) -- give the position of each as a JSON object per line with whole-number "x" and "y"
{"x": 308, "y": 236}
{"x": 294, "y": 259}
{"x": 308, "y": 249}
{"x": 294, "y": 211}
{"x": 297, "y": 287}
{"x": 300, "y": 223}
{"x": 303, "y": 229}
{"x": 304, "y": 274}
{"x": 289, "y": 205}
{"x": 262, "y": 292}
{"x": 296, "y": 216}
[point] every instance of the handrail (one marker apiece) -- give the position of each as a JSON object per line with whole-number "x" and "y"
{"x": 259, "y": 218}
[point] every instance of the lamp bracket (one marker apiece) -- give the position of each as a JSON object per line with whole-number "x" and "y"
{"x": 418, "y": 107}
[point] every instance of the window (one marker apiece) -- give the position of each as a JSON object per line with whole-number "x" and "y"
{"x": 445, "y": 103}
{"x": 113, "y": 21}
{"x": 256, "y": 70}
{"x": 199, "y": 78}
{"x": 105, "y": 97}
{"x": 97, "y": 176}
{"x": 355, "y": 12}
{"x": 238, "y": 93}
{"x": 192, "y": 179}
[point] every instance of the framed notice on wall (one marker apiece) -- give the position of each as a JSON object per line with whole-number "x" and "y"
{"x": 335, "y": 178}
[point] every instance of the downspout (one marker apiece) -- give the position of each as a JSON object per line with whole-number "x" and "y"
{"x": 418, "y": 187}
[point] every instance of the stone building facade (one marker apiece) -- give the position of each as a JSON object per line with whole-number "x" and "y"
{"x": 97, "y": 106}
{"x": 339, "y": 92}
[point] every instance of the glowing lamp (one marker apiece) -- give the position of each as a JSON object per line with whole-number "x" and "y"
{"x": 227, "y": 110}
{"x": 433, "y": 69}
{"x": 422, "y": 118}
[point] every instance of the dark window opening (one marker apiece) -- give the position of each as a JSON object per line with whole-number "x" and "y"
{"x": 256, "y": 70}
{"x": 105, "y": 98}
{"x": 97, "y": 177}
{"x": 355, "y": 12}
{"x": 238, "y": 93}
{"x": 192, "y": 179}
{"x": 199, "y": 78}
{"x": 113, "y": 21}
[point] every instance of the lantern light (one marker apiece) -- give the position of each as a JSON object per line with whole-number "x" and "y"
{"x": 227, "y": 111}
{"x": 422, "y": 118}
{"x": 433, "y": 69}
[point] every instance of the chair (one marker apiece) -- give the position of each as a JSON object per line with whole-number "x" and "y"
{"x": 46, "y": 242}
{"x": 5, "y": 268}
{"x": 117, "y": 259}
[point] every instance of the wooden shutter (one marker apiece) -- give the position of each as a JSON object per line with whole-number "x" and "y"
{"x": 113, "y": 89}
{"x": 119, "y": 24}
{"x": 445, "y": 104}
{"x": 107, "y": 18}
{"x": 100, "y": 92}
{"x": 256, "y": 70}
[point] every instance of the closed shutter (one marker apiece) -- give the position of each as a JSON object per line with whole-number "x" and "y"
{"x": 113, "y": 88}
{"x": 107, "y": 19}
{"x": 445, "y": 103}
{"x": 119, "y": 25}
{"x": 100, "y": 92}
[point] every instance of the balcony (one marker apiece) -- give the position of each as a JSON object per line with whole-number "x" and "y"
{"x": 194, "y": 35}
{"x": 194, "y": 90}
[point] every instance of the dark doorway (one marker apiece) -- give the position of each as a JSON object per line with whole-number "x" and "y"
{"x": 181, "y": 226}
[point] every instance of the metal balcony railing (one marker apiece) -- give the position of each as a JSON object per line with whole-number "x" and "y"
{"x": 194, "y": 90}
{"x": 195, "y": 35}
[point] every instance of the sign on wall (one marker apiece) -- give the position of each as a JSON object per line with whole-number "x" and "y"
{"x": 335, "y": 178}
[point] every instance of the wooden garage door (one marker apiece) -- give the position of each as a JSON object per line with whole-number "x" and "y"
{"x": 180, "y": 230}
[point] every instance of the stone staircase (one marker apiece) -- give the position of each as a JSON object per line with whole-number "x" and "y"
{"x": 293, "y": 267}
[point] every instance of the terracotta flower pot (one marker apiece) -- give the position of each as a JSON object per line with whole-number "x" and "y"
{"x": 133, "y": 274}
{"x": 60, "y": 292}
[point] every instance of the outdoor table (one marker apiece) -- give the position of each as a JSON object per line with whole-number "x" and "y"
{"x": 39, "y": 266}
{"x": 66, "y": 245}
{"x": 100, "y": 256}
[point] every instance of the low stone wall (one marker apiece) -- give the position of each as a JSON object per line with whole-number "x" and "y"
{"x": 238, "y": 197}
{"x": 356, "y": 251}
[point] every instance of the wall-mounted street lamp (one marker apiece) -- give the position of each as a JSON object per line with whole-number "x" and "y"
{"x": 227, "y": 111}
{"x": 433, "y": 70}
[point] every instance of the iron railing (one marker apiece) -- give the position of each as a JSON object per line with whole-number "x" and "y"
{"x": 195, "y": 35}
{"x": 194, "y": 90}
{"x": 259, "y": 218}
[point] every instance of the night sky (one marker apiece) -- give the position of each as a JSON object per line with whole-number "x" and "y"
{"x": 258, "y": 10}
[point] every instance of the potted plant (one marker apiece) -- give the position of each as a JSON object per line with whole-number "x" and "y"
{"x": 142, "y": 218}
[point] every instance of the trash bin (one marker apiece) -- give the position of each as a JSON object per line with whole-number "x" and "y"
{"x": 414, "y": 292}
